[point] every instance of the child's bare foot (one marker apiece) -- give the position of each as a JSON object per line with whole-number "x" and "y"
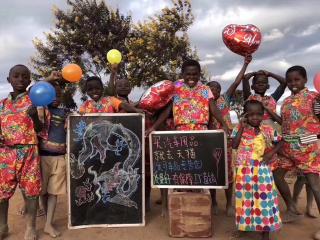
{"x": 294, "y": 210}
{"x": 4, "y": 232}
{"x": 230, "y": 211}
{"x": 310, "y": 213}
{"x": 289, "y": 217}
{"x": 215, "y": 209}
{"x": 49, "y": 229}
{"x": 30, "y": 234}
{"x": 316, "y": 236}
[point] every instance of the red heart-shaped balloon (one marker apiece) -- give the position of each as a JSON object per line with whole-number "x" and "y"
{"x": 242, "y": 39}
{"x": 157, "y": 96}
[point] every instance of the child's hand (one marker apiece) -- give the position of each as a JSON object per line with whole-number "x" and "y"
{"x": 244, "y": 120}
{"x": 250, "y": 75}
{"x": 247, "y": 59}
{"x": 114, "y": 68}
{"x": 267, "y": 157}
{"x": 55, "y": 75}
{"x": 148, "y": 131}
{"x": 32, "y": 111}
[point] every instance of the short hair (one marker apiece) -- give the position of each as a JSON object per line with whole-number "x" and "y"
{"x": 93, "y": 78}
{"x": 301, "y": 70}
{"x": 248, "y": 103}
{"x": 215, "y": 82}
{"x": 258, "y": 74}
{"x": 190, "y": 62}
{"x": 19, "y": 65}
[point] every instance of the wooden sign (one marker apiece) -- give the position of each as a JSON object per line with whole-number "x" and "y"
{"x": 189, "y": 159}
{"x": 106, "y": 170}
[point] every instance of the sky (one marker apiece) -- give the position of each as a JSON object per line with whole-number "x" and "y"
{"x": 290, "y": 33}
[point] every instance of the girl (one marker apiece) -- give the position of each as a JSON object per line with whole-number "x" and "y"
{"x": 223, "y": 103}
{"x": 256, "y": 195}
{"x": 100, "y": 104}
{"x": 260, "y": 85}
{"x": 299, "y": 120}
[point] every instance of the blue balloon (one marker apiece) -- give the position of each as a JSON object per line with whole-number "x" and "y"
{"x": 42, "y": 94}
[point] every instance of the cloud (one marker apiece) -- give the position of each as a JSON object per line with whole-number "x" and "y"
{"x": 274, "y": 34}
{"x": 207, "y": 62}
{"x": 310, "y": 30}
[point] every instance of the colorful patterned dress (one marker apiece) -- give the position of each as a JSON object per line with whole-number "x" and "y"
{"x": 19, "y": 158}
{"x": 223, "y": 104}
{"x": 257, "y": 204}
{"x": 104, "y": 105}
{"x": 191, "y": 106}
{"x": 299, "y": 119}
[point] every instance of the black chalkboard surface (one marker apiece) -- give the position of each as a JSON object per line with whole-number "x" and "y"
{"x": 188, "y": 159}
{"x": 106, "y": 170}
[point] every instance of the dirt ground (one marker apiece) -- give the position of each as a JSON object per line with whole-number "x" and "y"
{"x": 156, "y": 227}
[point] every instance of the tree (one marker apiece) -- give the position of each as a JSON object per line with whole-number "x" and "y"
{"x": 152, "y": 50}
{"x": 158, "y": 46}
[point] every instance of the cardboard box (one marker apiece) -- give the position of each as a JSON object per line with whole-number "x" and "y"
{"x": 189, "y": 213}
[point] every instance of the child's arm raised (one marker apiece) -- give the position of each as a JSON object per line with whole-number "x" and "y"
{"x": 273, "y": 115}
{"x": 113, "y": 79}
{"x": 282, "y": 87}
{"x": 239, "y": 77}
{"x": 246, "y": 85}
{"x": 163, "y": 117}
{"x": 215, "y": 112}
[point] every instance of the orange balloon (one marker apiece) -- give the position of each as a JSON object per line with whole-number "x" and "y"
{"x": 72, "y": 73}
{"x": 316, "y": 81}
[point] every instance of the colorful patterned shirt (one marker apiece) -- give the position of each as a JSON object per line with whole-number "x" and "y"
{"x": 17, "y": 127}
{"x": 191, "y": 105}
{"x": 223, "y": 104}
{"x": 268, "y": 101}
{"x": 297, "y": 114}
{"x": 104, "y": 105}
{"x": 253, "y": 145}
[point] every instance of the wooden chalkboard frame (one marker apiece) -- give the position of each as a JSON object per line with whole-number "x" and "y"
{"x": 188, "y": 186}
{"x": 143, "y": 223}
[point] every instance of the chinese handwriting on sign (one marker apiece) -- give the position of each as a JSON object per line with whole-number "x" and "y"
{"x": 174, "y": 142}
{"x": 204, "y": 178}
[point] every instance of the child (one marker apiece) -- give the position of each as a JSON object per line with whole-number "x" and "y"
{"x": 256, "y": 195}
{"x": 192, "y": 102}
{"x": 52, "y": 148}
{"x": 19, "y": 159}
{"x": 260, "y": 85}
{"x": 223, "y": 104}
{"x": 299, "y": 119}
{"x": 100, "y": 104}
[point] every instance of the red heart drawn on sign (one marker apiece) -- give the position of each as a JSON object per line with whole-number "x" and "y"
{"x": 242, "y": 39}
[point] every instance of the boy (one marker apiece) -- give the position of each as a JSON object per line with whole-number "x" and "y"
{"x": 20, "y": 162}
{"x": 52, "y": 148}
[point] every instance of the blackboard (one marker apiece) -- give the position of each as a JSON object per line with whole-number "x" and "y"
{"x": 189, "y": 159}
{"x": 106, "y": 170}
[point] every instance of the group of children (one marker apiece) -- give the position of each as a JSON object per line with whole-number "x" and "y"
{"x": 33, "y": 141}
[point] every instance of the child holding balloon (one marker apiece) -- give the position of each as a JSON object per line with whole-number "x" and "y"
{"x": 52, "y": 148}
{"x": 100, "y": 104}
{"x": 299, "y": 122}
{"x": 19, "y": 159}
{"x": 223, "y": 104}
{"x": 192, "y": 104}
